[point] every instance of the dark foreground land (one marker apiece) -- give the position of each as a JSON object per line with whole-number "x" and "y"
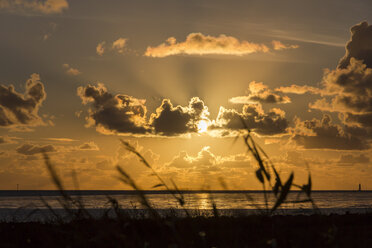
{"x": 350, "y": 230}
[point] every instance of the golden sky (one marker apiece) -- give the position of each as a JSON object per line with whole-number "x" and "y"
{"x": 175, "y": 78}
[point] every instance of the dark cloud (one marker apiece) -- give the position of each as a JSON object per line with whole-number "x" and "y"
{"x": 169, "y": 120}
{"x": 114, "y": 113}
{"x": 260, "y": 93}
{"x": 350, "y": 84}
{"x": 323, "y": 134}
{"x": 30, "y": 149}
{"x": 271, "y": 123}
{"x": 354, "y": 159}
{"x": 359, "y": 46}
{"x": 22, "y": 109}
{"x": 123, "y": 114}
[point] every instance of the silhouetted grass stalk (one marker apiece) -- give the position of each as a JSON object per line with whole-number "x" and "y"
{"x": 279, "y": 190}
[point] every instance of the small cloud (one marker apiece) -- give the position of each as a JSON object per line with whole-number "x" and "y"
{"x": 277, "y": 45}
{"x": 259, "y": 93}
{"x": 61, "y": 139}
{"x": 31, "y": 149}
{"x": 119, "y": 45}
{"x": 200, "y": 44}
{"x": 70, "y": 70}
{"x": 300, "y": 89}
{"x": 100, "y": 49}
{"x": 89, "y": 146}
{"x": 36, "y": 6}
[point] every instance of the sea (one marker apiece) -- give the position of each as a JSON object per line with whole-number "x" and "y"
{"x": 39, "y": 205}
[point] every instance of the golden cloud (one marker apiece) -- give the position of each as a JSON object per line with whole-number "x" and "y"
{"x": 259, "y": 93}
{"x": 200, "y": 44}
{"x": 119, "y": 45}
{"x": 277, "y": 45}
{"x": 100, "y": 49}
{"x": 70, "y": 70}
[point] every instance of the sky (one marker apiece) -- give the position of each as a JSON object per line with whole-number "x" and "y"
{"x": 175, "y": 79}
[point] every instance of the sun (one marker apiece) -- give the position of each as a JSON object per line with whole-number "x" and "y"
{"x": 202, "y": 126}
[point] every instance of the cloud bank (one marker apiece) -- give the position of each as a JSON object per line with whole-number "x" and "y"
{"x": 123, "y": 114}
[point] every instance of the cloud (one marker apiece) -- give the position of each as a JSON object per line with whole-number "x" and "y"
{"x": 200, "y": 44}
{"x": 61, "y": 139}
{"x": 354, "y": 159}
{"x": 37, "y": 6}
{"x": 348, "y": 88}
{"x": 351, "y": 84}
{"x": 114, "y": 113}
{"x": 100, "y": 49}
{"x": 359, "y": 46}
{"x": 300, "y": 89}
{"x": 31, "y": 149}
{"x": 22, "y": 109}
{"x": 70, "y": 70}
{"x": 271, "y": 123}
{"x": 259, "y": 93}
{"x": 119, "y": 45}
{"x": 352, "y": 87}
{"x": 89, "y": 146}
{"x": 323, "y": 134}
{"x": 205, "y": 160}
{"x": 126, "y": 115}
{"x": 169, "y": 120}
{"x": 277, "y": 45}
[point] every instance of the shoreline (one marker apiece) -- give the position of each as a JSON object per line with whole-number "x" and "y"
{"x": 9, "y": 193}
{"x": 44, "y": 215}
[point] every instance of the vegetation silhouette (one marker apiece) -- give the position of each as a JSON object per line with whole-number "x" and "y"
{"x": 77, "y": 227}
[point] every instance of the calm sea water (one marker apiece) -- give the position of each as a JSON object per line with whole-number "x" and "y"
{"x": 16, "y": 204}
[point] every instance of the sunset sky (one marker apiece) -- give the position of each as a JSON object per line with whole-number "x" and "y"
{"x": 175, "y": 78}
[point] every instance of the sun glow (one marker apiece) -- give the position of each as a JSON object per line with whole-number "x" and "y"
{"x": 202, "y": 126}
